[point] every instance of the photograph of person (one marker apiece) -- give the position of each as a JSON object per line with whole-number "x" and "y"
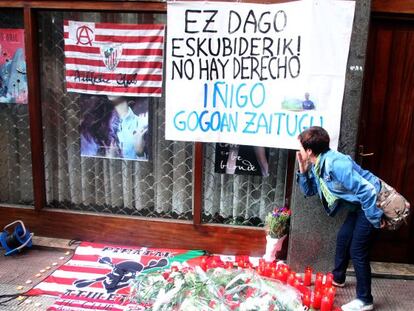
{"x": 114, "y": 127}
{"x": 241, "y": 160}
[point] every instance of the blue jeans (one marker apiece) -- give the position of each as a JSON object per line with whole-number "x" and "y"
{"x": 354, "y": 241}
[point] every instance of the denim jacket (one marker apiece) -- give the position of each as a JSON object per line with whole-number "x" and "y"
{"x": 347, "y": 181}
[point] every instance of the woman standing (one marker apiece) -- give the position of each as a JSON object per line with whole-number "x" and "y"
{"x": 341, "y": 183}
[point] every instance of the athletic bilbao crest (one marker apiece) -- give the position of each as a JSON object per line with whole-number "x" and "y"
{"x": 111, "y": 56}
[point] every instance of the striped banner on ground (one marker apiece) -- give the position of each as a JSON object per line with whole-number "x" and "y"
{"x": 98, "y": 276}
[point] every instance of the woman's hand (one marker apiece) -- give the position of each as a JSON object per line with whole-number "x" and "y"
{"x": 303, "y": 163}
{"x": 139, "y": 141}
{"x": 383, "y": 223}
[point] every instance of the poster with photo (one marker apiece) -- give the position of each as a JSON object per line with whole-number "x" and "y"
{"x": 114, "y": 127}
{"x": 13, "y": 79}
{"x": 259, "y": 74}
{"x": 241, "y": 160}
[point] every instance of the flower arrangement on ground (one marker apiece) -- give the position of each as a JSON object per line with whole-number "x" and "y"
{"x": 215, "y": 289}
{"x": 276, "y": 226}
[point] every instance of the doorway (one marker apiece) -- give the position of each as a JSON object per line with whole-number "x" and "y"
{"x": 386, "y": 139}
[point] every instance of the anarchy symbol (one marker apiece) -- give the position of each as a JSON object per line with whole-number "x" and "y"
{"x": 84, "y": 35}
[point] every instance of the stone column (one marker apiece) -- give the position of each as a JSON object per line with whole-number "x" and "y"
{"x": 312, "y": 236}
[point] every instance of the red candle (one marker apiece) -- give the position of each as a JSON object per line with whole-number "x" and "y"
{"x": 279, "y": 275}
{"x": 330, "y": 291}
{"x": 328, "y": 279}
{"x": 285, "y": 272}
{"x": 326, "y": 304}
{"x": 316, "y": 299}
{"x": 306, "y": 300}
{"x": 302, "y": 288}
{"x": 261, "y": 262}
{"x": 291, "y": 278}
{"x": 307, "y": 279}
{"x": 318, "y": 280}
{"x": 296, "y": 284}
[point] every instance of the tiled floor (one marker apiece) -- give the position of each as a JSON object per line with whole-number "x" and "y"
{"x": 15, "y": 271}
{"x": 389, "y": 294}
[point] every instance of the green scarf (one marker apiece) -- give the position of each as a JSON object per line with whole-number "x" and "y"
{"x": 327, "y": 194}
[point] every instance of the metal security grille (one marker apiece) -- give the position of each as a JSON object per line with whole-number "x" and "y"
{"x": 242, "y": 199}
{"x": 16, "y": 183}
{"x": 160, "y": 187}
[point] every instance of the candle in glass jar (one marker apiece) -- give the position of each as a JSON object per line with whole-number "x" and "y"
{"x": 307, "y": 279}
{"x": 316, "y": 299}
{"x": 318, "y": 280}
{"x": 328, "y": 279}
{"x": 291, "y": 278}
{"x": 326, "y": 304}
{"x": 330, "y": 291}
{"x": 306, "y": 300}
{"x": 279, "y": 275}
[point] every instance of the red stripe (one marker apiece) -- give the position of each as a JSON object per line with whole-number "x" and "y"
{"x": 82, "y": 49}
{"x": 82, "y": 298}
{"x": 122, "y": 26}
{"x": 93, "y": 258}
{"x": 129, "y": 26}
{"x": 96, "y": 50}
{"x": 121, "y": 64}
{"x": 36, "y": 292}
{"x": 157, "y": 52}
{"x": 129, "y": 39}
{"x": 131, "y": 89}
{"x": 114, "y": 76}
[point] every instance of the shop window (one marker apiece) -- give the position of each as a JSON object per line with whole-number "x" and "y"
{"x": 159, "y": 184}
{"x": 242, "y": 184}
{"x": 16, "y": 183}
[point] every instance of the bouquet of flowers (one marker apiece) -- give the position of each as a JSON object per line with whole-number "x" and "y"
{"x": 188, "y": 289}
{"x": 277, "y": 226}
{"x": 277, "y": 222}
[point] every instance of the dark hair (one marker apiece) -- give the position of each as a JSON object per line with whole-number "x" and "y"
{"x": 316, "y": 139}
{"x": 97, "y": 118}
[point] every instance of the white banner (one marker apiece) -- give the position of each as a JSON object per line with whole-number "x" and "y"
{"x": 256, "y": 74}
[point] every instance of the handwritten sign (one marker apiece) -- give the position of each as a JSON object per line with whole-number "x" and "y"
{"x": 255, "y": 74}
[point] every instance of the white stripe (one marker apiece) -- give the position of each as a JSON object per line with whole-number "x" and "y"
{"x": 124, "y": 32}
{"x": 114, "y": 93}
{"x": 114, "y": 83}
{"x": 125, "y": 45}
{"x": 78, "y": 275}
{"x": 141, "y": 71}
{"x": 62, "y": 288}
{"x": 144, "y": 58}
{"x": 85, "y": 263}
{"x": 90, "y": 250}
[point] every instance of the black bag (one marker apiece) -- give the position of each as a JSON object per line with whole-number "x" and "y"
{"x": 395, "y": 207}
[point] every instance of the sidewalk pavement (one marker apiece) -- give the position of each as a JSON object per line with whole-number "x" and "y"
{"x": 37, "y": 263}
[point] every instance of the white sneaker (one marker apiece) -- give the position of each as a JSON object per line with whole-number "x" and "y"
{"x": 357, "y": 305}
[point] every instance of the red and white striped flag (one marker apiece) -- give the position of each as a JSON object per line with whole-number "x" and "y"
{"x": 114, "y": 59}
{"x": 99, "y": 276}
